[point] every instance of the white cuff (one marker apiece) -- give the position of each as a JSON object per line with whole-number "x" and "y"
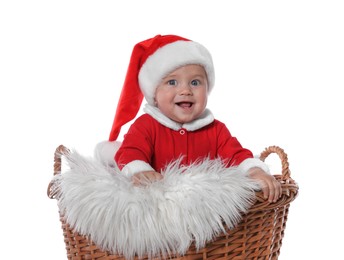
{"x": 136, "y": 166}
{"x": 251, "y": 163}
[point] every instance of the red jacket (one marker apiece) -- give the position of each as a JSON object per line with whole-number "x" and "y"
{"x": 149, "y": 141}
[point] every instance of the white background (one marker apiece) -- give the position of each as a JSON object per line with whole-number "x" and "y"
{"x": 279, "y": 80}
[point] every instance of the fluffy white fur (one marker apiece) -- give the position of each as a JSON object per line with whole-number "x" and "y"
{"x": 188, "y": 204}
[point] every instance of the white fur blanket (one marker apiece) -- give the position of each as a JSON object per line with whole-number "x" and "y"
{"x": 190, "y": 204}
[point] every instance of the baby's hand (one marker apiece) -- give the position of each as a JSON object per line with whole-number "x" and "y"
{"x": 145, "y": 178}
{"x": 271, "y": 188}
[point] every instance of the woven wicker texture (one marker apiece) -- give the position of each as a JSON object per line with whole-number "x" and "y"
{"x": 258, "y": 236}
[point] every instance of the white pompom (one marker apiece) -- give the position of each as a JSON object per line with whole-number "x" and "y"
{"x": 105, "y": 152}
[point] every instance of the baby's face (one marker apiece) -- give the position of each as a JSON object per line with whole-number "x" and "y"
{"x": 182, "y": 94}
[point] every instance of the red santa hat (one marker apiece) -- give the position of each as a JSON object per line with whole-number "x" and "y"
{"x": 151, "y": 60}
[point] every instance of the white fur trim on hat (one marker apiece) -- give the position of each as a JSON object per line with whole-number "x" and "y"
{"x": 170, "y": 57}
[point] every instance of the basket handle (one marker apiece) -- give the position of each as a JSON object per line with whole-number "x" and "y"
{"x": 59, "y": 152}
{"x": 282, "y": 155}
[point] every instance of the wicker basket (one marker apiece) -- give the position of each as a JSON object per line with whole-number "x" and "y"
{"x": 258, "y": 236}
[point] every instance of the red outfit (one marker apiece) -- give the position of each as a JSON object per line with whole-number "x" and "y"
{"x": 149, "y": 141}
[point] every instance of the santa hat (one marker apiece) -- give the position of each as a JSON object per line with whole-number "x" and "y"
{"x": 152, "y": 60}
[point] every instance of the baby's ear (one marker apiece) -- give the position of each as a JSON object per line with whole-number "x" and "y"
{"x": 105, "y": 152}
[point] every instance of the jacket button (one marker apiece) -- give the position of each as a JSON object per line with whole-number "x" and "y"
{"x": 182, "y": 131}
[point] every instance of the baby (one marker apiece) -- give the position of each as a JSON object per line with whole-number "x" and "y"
{"x": 176, "y": 75}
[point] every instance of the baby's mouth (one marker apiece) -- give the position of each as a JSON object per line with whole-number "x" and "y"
{"x": 184, "y": 104}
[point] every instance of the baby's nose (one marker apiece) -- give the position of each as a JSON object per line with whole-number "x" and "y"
{"x": 185, "y": 89}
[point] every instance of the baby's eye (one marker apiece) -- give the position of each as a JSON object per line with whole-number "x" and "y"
{"x": 195, "y": 82}
{"x": 172, "y": 82}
